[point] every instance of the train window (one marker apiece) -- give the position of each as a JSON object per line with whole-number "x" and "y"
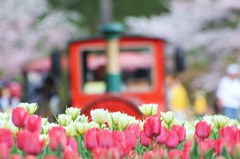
{"x": 135, "y": 68}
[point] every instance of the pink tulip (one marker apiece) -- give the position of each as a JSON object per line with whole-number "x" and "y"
{"x": 162, "y": 137}
{"x": 203, "y": 129}
{"x": 123, "y": 147}
{"x": 152, "y": 126}
{"x": 58, "y": 137}
{"x": 144, "y": 140}
{"x": 30, "y": 157}
{"x": 16, "y": 157}
{"x": 105, "y": 138}
{"x": 218, "y": 146}
{"x": 118, "y": 136}
{"x": 173, "y": 154}
{"x": 90, "y": 138}
{"x": 205, "y": 145}
{"x": 101, "y": 153}
{"x": 50, "y": 157}
{"x": 172, "y": 139}
{"x": 130, "y": 138}
{"x": 181, "y": 131}
{"x": 4, "y": 150}
{"x": 187, "y": 149}
{"x": 228, "y": 133}
{"x": 69, "y": 153}
{"x": 135, "y": 128}
{"x": 19, "y": 116}
{"x": 7, "y": 137}
{"x": 149, "y": 154}
{"x": 72, "y": 143}
{"x": 34, "y": 123}
{"x": 29, "y": 142}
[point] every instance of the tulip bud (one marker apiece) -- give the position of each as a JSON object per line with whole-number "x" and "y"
{"x": 70, "y": 129}
{"x": 105, "y": 138}
{"x": 149, "y": 109}
{"x": 180, "y": 130}
{"x": 114, "y": 117}
{"x": 90, "y": 138}
{"x": 64, "y": 120}
{"x": 163, "y": 135}
{"x": 144, "y": 140}
{"x": 100, "y": 116}
{"x": 81, "y": 128}
{"x": 6, "y": 136}
{"x": 220, "y": 121}
{"x": 152, "y": 127}
{"x": 172, "y": 139}
{"x": 123, "y": 122}
{"x": 168, "y": 118}
{"x": 73, "y": 112}
{"x": 202, "y": 129}
{"x": 57, "y": 137}
{"x": 5, "y": 151}
{"x": 34, "y": 123}
{"x": 173, "y": 154}
{"x": 30, "y": 107}
{"x": 19, "y": 116}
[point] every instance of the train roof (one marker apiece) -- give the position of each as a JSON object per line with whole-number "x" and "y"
{"x": 142, "y": 36}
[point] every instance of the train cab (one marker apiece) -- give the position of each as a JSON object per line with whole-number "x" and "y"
{"x": 142, "y": 74}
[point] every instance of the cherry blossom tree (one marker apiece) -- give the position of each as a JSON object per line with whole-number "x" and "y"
{"x": 28, "y": 30}
{"x": 210, "y": 27}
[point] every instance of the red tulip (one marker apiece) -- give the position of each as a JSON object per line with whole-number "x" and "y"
{"x": 7, "y": 137}
{"x": 162, "y": 137}
{"x": 135, "y": 128}
{"x": 104, "y": 138}
{"x": 174, "y": 154}
{"x": 29, "y": 142}
{"x": 144, "y": 140}
{"x": 172, "y": 139}
{"x": 152, "y": 126}
{"x": 90, "y": 138}
{"x": 203, "y": 129}
{"x": 181, "y": 131}
{"x": 72, "y": 143}
{"x": 34, "y": 123}
{"x": 57, "y": 137}
{"x": 4, "y": 150}
{"x": 19, "y": 116}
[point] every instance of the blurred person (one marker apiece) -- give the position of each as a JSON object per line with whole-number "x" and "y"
{"x": 49, "y": 102}
{"x": 7, "y": 100}
{"x": 228, "y": 92}
{"x": 200, "y": 103}
{"x": 178, "y": 99}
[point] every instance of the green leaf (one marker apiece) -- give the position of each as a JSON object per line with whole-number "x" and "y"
{"x": 194, "y": 153}
{"x": 225, "y": 153}
{"x": 209, "y": 154}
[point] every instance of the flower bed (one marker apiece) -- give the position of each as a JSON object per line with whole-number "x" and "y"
{"x": 116, "y": 135}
